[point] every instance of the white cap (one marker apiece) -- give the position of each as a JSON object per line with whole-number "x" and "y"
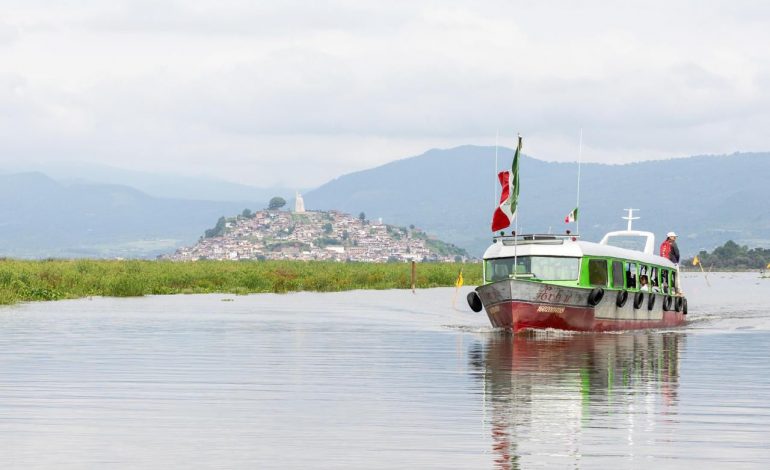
{"x": 670, "y": 234}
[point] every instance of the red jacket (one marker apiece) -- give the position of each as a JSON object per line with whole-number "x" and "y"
{"x": 665, "y": 249}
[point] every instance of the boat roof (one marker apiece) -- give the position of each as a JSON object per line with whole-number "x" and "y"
{"x": 567, "y": 246}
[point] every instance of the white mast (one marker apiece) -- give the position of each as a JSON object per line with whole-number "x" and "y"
{"x": 630, "y": 217}
{"x": 577, "y": 203}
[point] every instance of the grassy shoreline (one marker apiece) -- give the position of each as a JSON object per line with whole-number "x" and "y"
{"x": 28, "y": 280}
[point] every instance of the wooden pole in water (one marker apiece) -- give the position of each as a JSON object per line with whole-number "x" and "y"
{"x": 414, "y": 274}
{"x": 705, "y": 275}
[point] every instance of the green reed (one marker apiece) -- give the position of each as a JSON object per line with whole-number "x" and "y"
{"x": 25, "y": 280}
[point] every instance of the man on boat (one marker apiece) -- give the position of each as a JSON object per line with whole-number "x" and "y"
{"x": 668, "y": 248}
{"x": 670, "y": 251}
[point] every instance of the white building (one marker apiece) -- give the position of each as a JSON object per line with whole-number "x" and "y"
{"x": 299, "y": 204}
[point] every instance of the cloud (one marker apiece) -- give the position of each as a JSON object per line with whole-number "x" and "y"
{"x": 251, "y": 91}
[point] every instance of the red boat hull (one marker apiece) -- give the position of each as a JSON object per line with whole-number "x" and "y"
{"x": 519, "y": 304}
{"x": 518, "y": 315}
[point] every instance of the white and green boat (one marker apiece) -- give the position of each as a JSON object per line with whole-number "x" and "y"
{"x": 541, "y": 281}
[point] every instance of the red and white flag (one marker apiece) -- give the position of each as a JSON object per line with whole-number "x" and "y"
{"x": 503, "y": 215}
{"x": 572, "y": 216}
{"x": 509, "y": 198}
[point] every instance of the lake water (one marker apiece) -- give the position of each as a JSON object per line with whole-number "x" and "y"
{"x": 379, "y": 379}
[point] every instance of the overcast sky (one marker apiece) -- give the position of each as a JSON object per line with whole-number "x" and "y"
{"x": 297, "y": 92}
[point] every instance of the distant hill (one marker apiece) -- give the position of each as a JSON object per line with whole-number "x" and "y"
{"x": 705, "y": 199}
{"x": 40, "y": 217}
{"x": 154, "y": 184}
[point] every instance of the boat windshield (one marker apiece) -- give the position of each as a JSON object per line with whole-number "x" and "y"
{"x": 546, "y": 268}
{"x": 629, "y": 242}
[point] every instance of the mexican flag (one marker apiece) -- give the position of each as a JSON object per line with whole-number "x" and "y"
{"x": 509, "y": 180}
{"x": 572, "y": 216}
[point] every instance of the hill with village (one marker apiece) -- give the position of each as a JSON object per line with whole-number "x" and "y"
{"x": 315, "y": 235}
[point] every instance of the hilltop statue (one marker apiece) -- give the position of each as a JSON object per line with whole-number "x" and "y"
{"x": 299, "y": 204}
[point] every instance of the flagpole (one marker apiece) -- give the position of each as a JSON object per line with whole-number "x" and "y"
{"x": 516, "y": 215}
{"x": 577, "y": 204}
{"x": 705, "y": 276}
{"x": 515, "y": 246}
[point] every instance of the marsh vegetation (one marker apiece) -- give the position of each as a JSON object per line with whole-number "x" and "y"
{"x": 24, "y": 280}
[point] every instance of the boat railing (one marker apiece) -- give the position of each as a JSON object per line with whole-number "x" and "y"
{"x": 532, "y": 238}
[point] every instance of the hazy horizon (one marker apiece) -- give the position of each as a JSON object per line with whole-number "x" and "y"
{"x": 294, "y": 94}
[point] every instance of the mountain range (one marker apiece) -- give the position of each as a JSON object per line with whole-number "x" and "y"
{"x": 41, "y": 217}
{"x": 82, "y": 211}
{"x": 453, "y": 193}
{"x": 154, "y": 184}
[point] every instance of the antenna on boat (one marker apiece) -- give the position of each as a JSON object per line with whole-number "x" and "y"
{"x": 630, "y": 217}
{"x": 577, "y": 204}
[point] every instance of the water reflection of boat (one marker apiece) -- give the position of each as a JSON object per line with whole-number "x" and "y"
{"x": 541, "y": 392}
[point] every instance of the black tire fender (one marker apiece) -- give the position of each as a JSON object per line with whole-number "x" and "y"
{"x": 651, "y": 301}
{"x": 595, "y": 296}
{"x": 474, "y": 302}
{"x": 668, "y": 302}
{"x": 684, "y": 306}
{"x": 638, "y": 300}
{"x": 678, "y": 303}
{"x": 622, "y": 298}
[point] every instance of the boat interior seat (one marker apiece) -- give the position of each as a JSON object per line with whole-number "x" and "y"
{"x": 501, "y": 272}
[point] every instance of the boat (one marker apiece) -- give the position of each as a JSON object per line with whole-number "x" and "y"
{"x": 539, "y": 281}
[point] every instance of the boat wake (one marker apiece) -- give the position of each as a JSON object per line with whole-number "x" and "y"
{"x": 484, "y": 330}
{"x": 729, "y": 320}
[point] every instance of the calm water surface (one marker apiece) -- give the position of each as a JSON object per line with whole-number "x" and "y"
{"x": 383, "y": 379}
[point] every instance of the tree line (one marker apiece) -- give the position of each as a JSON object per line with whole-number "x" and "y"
{"x": 732, "y": 256}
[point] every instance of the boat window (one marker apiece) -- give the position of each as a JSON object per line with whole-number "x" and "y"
{"x": 499, "y": 269}
{"x": 597, "y": 272}
{"x": 630, "y": 275}
{"x": 654, "y": 279}
{"x": 644, "y": 278}
{"x": 617, "y": 274}
{"x": 673, "y": 281}
{"x": 546, "y": 268}
{"x": 664, "y": 276}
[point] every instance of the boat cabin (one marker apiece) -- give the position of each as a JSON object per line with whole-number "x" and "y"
{"x": 566, "y": 261}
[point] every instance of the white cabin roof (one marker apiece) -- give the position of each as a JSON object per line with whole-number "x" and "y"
{"x": 565, "y": 246}
{"x": 649, "y": 238}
